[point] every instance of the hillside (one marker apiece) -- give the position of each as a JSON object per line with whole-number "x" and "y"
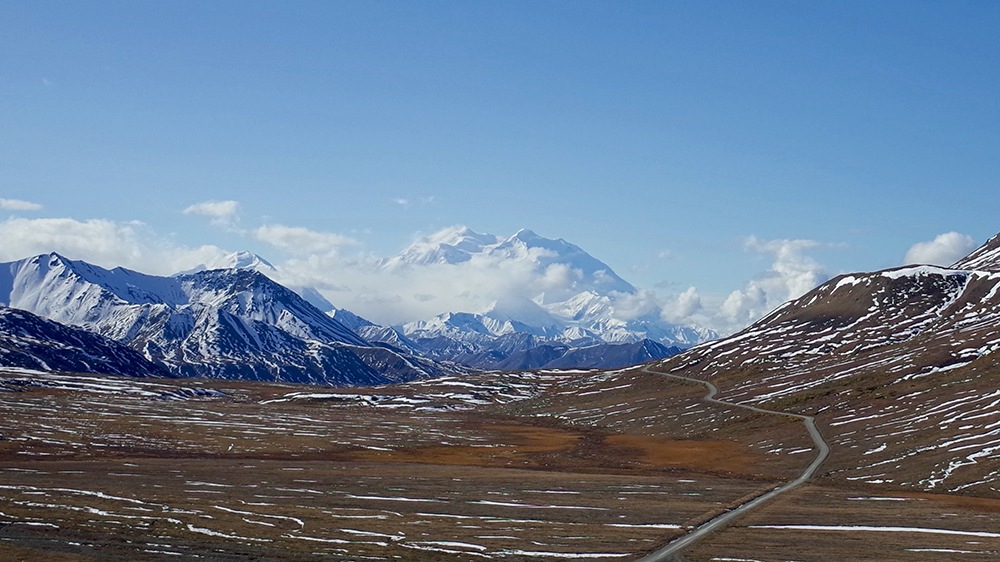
{"x": 898, "y": 366}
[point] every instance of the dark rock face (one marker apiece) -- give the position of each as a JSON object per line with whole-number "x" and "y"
{"x": 30, "y": 342}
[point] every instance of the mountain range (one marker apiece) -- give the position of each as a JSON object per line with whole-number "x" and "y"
{"x": 229, "y": 318}
{"x": 898, "y": 329}
{"x": 581, "y": 325}
{"x": 223, "y": 323}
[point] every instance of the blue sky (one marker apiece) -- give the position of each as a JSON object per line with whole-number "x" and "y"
{"x": 680, "y": 142}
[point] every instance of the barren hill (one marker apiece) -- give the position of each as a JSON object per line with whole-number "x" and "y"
{"x": 897, "y": 365}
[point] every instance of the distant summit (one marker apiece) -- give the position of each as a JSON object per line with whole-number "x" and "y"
{"x": 460, "y": 244}
{"x": 448, "y": 246}
{"x": 234, "y": 260}
{"x": 583, "y": 310}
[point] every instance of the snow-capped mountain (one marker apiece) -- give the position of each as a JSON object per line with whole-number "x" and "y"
{"x": 896, "y": 365}
{"x": 253, "y": 262}
{"x": 229, "y": 323}
{"x": 584, "y": 309}
{"x": 30, "y": 342}
{"x": 457, "y": 245}
{"x": 587, "y": 310}
{"x": 235, "y": 260}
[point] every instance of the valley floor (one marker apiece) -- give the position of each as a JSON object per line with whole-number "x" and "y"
{"x": 547, "y": 466}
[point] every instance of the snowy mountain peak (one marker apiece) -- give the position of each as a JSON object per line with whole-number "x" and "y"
{"x": 593, "y": 274}
{"x": 527, "y": 235}
{"x": 235, "y": 260}
{"x": 526, "y": 312}
{"x": 566, "y": 297}
{"x": 459, "y": 244}
{"x": 460, "y": 235}
{"x": 247, "y": 260}
{"x": 226, "y": 323}
{"x": 452, "y": 245}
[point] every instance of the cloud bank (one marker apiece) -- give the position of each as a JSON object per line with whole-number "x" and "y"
{"x": 944, "y": 250}
{"x": 19, "y": 205}
{"x": 101, "y": 242}
{"x": 300, "y": 241}
{"x": 391, "y": 291}
{"x": 792, "y": 274}
{"x": 221, "y": 213}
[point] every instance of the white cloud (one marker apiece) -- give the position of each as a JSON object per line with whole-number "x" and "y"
{"x": 684, "y": 307}
{"x": 944, "y": 250}
{"x": 301, "y": 241}
{"x": 413, "y": 202}
{"x": 792, "y": 271}
{"x": 394, "y": 291}
{"x": 98, "y": 240}
{"x": 221, "y": 213}
{"x": 401, "y": 294}
{"x": 743, "y": 306}
{"x": 101, "y": 242}
{"x": 19, "y": 205}
{"x": 792, "y": 274}
{"x": 630, "y": 306}
{"x": 392, "y": 295}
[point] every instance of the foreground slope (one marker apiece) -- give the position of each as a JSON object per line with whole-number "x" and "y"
{"x": 898, "y": 367}
{"x": 99, "y": 468}
{"x": 501, "y": 466}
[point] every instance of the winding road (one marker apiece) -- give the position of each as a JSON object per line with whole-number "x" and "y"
{"x": 667, "y": 552}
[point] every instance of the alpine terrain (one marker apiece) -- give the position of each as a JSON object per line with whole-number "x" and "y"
{"x": 859, "y": 422}
{"x": 223, "y": 323}
{"x": 582, "y": 325}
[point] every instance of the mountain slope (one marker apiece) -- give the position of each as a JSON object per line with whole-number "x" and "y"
{"x": 984, "y": 258}
{"x": 31, "y": 342}
{"x": 234, "y": 323}
{"x": 898, "y": 365}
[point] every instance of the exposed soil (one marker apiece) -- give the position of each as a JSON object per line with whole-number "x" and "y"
{"x": 607, "y": 466}
{"x": 93, "y": 476}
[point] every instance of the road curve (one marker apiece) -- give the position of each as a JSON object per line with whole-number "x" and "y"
{"x": 823, "y": 450}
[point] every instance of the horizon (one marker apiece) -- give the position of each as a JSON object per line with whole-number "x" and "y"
{"x": 413, "y": 266}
